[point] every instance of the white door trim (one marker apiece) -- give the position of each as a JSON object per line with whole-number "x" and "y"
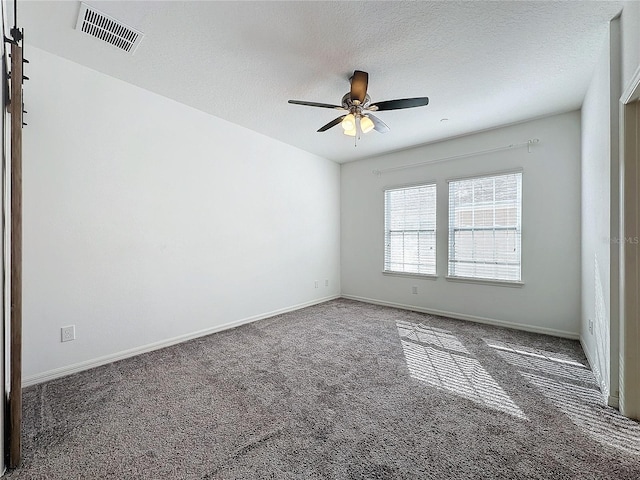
{"x": 629, "y": 367}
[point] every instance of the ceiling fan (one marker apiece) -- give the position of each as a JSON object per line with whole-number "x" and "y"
{"x": 358, "y": 105}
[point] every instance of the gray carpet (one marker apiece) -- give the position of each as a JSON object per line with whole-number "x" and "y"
{"x": 342, "y": 390}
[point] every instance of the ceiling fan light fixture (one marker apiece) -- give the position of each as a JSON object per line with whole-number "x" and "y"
{"x": 349, "y": 123}
{"x": 366, "y": 124}
{"x": 357, "y": 106}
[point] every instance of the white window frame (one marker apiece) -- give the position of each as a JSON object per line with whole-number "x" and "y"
{"x": 428, "y": 270}
{"x": 517, "y": 229}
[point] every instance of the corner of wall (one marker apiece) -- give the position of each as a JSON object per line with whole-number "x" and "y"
{"x": 595, "y": 369}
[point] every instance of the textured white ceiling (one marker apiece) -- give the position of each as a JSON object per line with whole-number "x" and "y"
{"x": 482, "y": 64}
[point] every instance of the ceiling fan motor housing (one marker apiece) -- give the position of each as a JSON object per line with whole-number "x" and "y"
{"x": 355, "y": 108}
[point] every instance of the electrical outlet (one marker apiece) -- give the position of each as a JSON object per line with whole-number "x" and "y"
{"x": 68, "y": 333}
{"x": 317, "y": 283}
{"x": 326, "y": 283}
{"x": 591, "y": 326}
{"x": 414, "y": 289}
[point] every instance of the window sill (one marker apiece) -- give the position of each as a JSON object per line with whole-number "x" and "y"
{"x": 428, "y": 276}
{"x": 486, "y": 281}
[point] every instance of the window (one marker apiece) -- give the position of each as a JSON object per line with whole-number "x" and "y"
{"x": 410, "y": 230}
{"x": 485, "y": 227}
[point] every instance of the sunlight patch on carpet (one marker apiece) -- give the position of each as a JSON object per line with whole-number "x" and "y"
{"x": 550, "y": 363}
{"x": 583, "y": 406}
{"x": 438, "y": 358}
{"x": 571, "y": 387}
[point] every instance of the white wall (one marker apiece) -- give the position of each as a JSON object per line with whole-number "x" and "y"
{"x": 597, "y": 238}
{"x": 550, "y": 299}
{"x": 619, "y": 61}
{"x": 145, "y": 220}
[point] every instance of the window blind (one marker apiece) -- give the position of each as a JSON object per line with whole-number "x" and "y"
{"x": 485, "y": 227}
{"x": 410, "y": 230}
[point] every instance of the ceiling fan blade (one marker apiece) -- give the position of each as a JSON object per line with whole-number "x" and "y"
{"x": 378, "y": 125}
{"x": 316, "y": 104}
{"x": 400, "y": 103}
{"x": 359, "y": 83}
{"x": 331, "y": 124}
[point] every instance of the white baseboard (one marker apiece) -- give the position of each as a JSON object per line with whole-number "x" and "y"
{"x": 96, "y": 362}
{"x": 471, "y": 318}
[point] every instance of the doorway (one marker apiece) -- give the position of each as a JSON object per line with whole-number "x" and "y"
{"x": 629, "y": 368}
